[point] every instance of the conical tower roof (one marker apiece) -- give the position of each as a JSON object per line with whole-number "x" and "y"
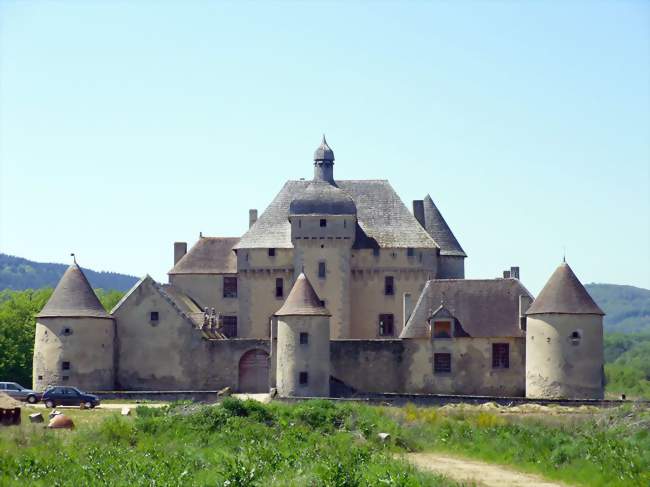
{"x": 73, "y": 297}
{"x": 302, "y": 300}
{"x": 564, "y": 294}
{"x": 437, "y": 227}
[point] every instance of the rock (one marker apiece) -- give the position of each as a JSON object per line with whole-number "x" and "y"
{"x": 384, "y": 436}
{"x": 54, "y": 413}
{"x": 226, "y": 391}
{"x": 61, "y": 421}
{"x": 126, "y": 411}
{"x": 36, "y": 418}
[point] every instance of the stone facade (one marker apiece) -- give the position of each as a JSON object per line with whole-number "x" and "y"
{"x": 389, "y": 310}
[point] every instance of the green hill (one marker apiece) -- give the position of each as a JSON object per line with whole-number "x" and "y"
{"x": 627, "y": 307}
{"x": 17, "y": 273}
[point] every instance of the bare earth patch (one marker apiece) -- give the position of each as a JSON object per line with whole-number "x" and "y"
{"x": 474, "y": 471}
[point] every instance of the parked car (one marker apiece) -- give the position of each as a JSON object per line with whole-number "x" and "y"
{"x": 19, "y": 392}
{"x": 68, "y": 396}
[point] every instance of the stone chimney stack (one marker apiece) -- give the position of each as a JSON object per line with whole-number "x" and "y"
{"x": 180, "y": 249}
{"x": 252, "y": 217}
{"x": 514, "y": 272}
{"x": 506, "y": 274}
{"x": 418, "y": 211}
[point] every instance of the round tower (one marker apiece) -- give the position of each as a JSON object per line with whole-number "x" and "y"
{"x": 74, "y": 342}
{"x": 564, "y": 341}
{"x": 323, "y": 221}
{"x": 303, "y": 344}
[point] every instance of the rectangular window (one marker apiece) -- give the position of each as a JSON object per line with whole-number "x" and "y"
{"x": 375, "y": 252}
{"x": 271, "y": 252}
{"x": 442, "y": 329}
{"x": 410, "y": 251}
{"x": 389, "y": 288}
{"x": 279, "y": 287}
{"x": 303, "y": 378}
{"x": 386, "y": 325}
{"x": 323, "y": 222}
{"x": 65, "y": 365}
{"x": 230, "y": 326}
{"x": 304, "y": 338}
{"x": 153, "y": 316}
{"x": 229, "y": 287}
{"x": 500, "y": 355}
{"x": 322, "y": 270}
{"x": 441, "y": 363}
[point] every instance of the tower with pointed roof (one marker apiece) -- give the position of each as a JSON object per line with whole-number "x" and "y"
{"x": 74, "y": 340}
{"x": 303, "y": 343}
{"x": 564, "y": 341}
{"x": 323, "y": 221}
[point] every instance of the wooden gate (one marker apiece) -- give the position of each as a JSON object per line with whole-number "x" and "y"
{"x": 254, "y": 371}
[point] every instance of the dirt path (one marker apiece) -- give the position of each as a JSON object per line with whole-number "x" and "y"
{"x": 481, "y": 473}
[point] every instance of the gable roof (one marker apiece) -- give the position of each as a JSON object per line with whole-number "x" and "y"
{"x": 564, "y": 293}
{"x": 302, "y": 300}
{"x": 73, "y": 297}
{"x": 482, "y": 307}
{"x": 437, "y": 227}
{"x": 209, "y": 255}
{"x": 382, "y": 217}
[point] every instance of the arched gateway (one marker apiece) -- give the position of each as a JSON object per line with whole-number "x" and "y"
{"x": 254, "y": 371}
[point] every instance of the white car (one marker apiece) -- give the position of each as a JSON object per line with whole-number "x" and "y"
{"x": 19, "y": 392}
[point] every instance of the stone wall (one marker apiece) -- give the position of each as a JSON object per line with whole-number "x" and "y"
{"x": 206, "y": 290}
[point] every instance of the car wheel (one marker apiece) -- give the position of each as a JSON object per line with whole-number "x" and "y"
{"x": 88, "y": 405}
{"x": 31, "y": 399}
{"x": 49, "y": 404}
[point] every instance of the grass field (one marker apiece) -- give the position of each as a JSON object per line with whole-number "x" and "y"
{"x": 240, "y": 443}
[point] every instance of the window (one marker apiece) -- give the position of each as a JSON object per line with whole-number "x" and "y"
{"x": 441, "y": 363}
{"x": 40, "y": 377}
{"x": 575, "y": 338}
{"x": 303, "y": 378}
{"x": 65, "y": 377}
{"x": 500, "y": 355}
{"x": 304, "y": 338}
{"x": 322, "y": 270}
{"x": 323, "y": 222}
{"x": 410, "y": 251}
{"x": 322, "y": 302}
{"x": 230, "y": 326}
{"x": 65, "y": 365}
{"x": 442, "y": 329}
{"x": 389, "y": 287}
{"x": 12, "y": 387}
{"x": 386, "y": 325}
{"x": 153, "y": 316}
{"x": 279, "y": 287}
{"x": 67, "y": 331}
{"x": 271, "y": 252}
{"x": 229, "y": 287}
{"x": 375, "y": 252}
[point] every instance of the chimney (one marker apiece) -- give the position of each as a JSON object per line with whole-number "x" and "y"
{"x": 514, "y": 272}
{"x": 524, "y": 303}
{"x": 180, "y": 249}
{"x": 506, "y": 274}
{"x": 252, "y": 217}
{"x": 418, "y": 211}
{"x": 408, "y": 307}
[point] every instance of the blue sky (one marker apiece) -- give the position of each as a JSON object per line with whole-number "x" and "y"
{"x": 125, "y": 126}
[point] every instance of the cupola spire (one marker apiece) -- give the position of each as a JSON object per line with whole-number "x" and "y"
{"x": 324, "y": 162}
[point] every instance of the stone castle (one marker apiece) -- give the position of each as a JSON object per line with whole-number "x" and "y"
{"x": 337, "y": 288}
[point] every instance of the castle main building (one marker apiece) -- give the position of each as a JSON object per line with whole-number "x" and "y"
{"x": 336, "y": 287}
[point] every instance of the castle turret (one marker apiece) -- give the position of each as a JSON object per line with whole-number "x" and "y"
{"x": 303, "y": 344}
{"x": 74, "y": 342}
{"x": 564, "y": 341}
{"x": 323, "y": 225}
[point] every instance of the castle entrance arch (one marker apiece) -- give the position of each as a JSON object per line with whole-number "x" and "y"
{"x": 254, "y": 371}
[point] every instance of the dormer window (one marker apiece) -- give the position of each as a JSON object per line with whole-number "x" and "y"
{"x": 442, "y": 329}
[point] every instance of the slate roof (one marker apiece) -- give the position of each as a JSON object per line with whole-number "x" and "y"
{"x": 564, "y": 293}
{"x": 322, "y": 198}
{"x": 437, "y": 227}
{"x": 302, "y": 300}
{"x": 382, "y": 217}
{"x": 482, "y": 307}
{"x": 73, "y": 297}
{"x": 209, "y": 255}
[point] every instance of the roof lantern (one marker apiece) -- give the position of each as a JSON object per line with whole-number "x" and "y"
{"x": 324, "y": 152}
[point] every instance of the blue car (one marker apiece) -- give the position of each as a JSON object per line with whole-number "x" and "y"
{"x": 68, "y": 396}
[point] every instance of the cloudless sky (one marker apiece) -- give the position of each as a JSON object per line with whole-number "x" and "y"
{"x": 125, "y": 126}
